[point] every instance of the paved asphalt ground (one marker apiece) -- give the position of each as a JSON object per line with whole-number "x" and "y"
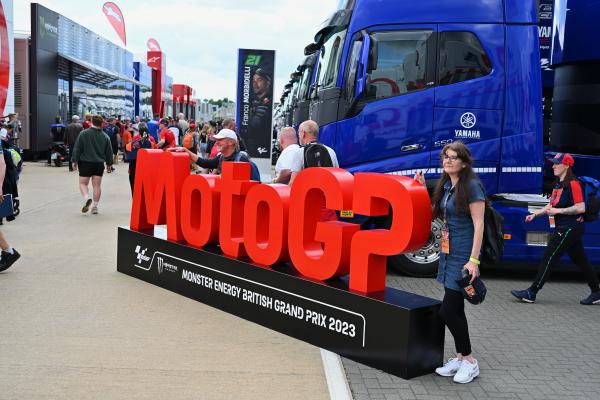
{"x": 547, "y": 350}
{"x": 72, "y": 327}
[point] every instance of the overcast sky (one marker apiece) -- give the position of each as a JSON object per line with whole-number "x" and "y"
{"x": 201, "y": 37}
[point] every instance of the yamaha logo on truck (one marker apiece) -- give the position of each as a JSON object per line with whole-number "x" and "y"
{"x": 468, "y": 120}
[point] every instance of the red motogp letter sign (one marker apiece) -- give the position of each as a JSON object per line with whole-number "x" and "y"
{"x": 271, "y": 224}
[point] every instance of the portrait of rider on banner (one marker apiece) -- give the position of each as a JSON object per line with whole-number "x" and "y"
{"x": 261, "y": 103}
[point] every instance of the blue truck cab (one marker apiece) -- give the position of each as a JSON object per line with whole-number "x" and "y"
{"x": 395, "y": 81}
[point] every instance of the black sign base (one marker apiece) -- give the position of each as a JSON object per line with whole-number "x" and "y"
{"x": 397, "y": 332}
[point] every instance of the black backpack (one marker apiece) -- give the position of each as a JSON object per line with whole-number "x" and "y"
{"x": 492, "y": 246}
{"x": 316, "y": 155}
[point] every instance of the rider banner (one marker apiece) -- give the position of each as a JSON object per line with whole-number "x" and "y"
{"x": 255, "y": 101}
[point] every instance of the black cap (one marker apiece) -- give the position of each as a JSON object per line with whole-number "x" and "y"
{"x": 473, "y": 292}
{"x": 263, "y": 74}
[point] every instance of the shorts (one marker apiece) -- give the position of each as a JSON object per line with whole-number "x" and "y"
{"x": 88, "y": 169}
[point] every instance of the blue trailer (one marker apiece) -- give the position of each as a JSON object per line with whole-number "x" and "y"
{"x": 396, "y": 81}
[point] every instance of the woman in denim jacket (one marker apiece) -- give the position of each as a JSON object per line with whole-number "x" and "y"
{"x": 459, "y": 201}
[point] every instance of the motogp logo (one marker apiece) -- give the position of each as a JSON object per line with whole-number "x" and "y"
{"x": 141, "y": 257}
{"x": 468, "y": 120}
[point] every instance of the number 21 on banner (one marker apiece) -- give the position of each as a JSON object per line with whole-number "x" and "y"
{"x": 253, "y": 60}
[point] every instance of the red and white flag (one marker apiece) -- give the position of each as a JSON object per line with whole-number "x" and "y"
{"x": 115, "y": 17}
{"x": 153, "y": 44}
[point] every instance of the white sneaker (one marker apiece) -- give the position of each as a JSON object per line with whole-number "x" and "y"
{"x": 467, "y": 372}
{"x": 450, "y": 368}
{"x": 95, "y": 210}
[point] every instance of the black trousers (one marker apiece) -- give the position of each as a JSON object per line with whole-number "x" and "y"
{"x": 571, "y": 242}
{"x": 453, "y": 315}
{"x": 132, "y": 166}
{"x": 70, "y": 147}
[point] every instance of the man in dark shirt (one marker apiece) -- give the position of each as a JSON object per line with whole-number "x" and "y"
{"x": 92, "y": 150}
{"x": 226, "y": 141}
{"x": 71, "y": 133}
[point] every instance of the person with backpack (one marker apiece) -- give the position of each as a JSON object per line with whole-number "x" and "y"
{"x": 112, "y": 130}
{"x": 13, "y": 166}
{"x": 141, "y": 140}
{"x": 189, "y": 141}
{"x": 226, "y": 142}
{"x": 313, "y": 154}
{"x": 459, "y": 201}
{"x": 565, "y": 212}
{"x": 9, "y": 255}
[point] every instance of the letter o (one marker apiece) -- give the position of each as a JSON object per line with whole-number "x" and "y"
{"x": 200, "y": 210}
{"x": 266, "y": 223}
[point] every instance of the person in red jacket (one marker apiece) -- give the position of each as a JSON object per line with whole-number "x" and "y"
{"x": 565, "y": 216}
{"x": 87, "y": 122}
{"x": 166, "y": 136}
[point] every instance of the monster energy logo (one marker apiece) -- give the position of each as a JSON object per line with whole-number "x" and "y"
{"x": 45, "y": 27}
{"x": 253, "y": 60}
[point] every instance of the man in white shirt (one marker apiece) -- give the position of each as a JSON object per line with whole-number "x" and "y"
{"x": 289, "y": 145}
{"x": 309, "y": 133}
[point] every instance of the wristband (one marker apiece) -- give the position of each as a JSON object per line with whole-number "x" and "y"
{"x": 475, "y": 261}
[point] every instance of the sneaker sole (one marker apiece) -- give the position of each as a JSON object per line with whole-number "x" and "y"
{"x": 87, "y": 205}
{"x": 440, "y": 374}
{"x": 527, "y": 301}
{"x": 593, "y": 303}
{"x": 470, "y": 379}
{"x": 523, "y": 299}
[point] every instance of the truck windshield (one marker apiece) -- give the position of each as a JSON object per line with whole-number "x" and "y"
{"x": 329, "y": 61}
{"x": 345, "y": 4}
{"x": 305, "y": 83}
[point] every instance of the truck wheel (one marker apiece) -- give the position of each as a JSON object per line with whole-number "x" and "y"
{"x": 424, "y": 262}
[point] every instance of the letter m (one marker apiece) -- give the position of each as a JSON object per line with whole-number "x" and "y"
{"x": 157, "y": 191}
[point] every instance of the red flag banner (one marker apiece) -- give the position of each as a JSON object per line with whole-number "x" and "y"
{"x": 4, "y": 59}
{"x": 153, "y": 44}
{"x": 115, "y": 17}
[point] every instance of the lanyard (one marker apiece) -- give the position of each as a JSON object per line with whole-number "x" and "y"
{"x": 446, "y": 200}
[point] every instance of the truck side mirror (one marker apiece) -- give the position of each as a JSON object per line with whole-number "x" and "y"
{"x": 373, "y": 55}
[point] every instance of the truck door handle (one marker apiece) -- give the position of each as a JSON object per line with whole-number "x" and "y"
{"x": 411, "y": 147}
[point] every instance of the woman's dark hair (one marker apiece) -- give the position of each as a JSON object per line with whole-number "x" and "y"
{"x": 142, "y": 128}
{"x": 462, "y": 191}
